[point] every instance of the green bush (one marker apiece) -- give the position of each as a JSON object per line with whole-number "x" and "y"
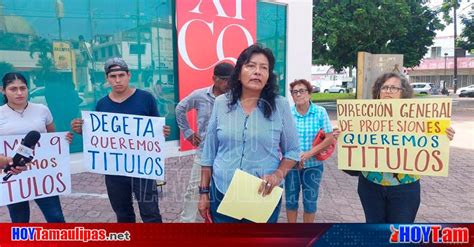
{"x": 324, "y": 97}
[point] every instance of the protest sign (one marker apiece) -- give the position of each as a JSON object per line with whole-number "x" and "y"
{"x": 47, "y": 175}
{"x": 400, "y": 136}
{"x": 124, "y": 144}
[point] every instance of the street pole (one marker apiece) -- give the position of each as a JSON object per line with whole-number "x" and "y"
{"x": 59, "y": 14}
{"x": 158, "y": 12}
{"x": 445, "y": 91}
{"x": 455, "y": 79}
{"x": 92, "y": 69}
{"x": 445, "y": 58}
{"x": 59, "y": 27}
{"x": 139, "y": 46}
{"x": 159, "y": 52}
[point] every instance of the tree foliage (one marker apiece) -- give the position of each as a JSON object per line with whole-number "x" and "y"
{"x": 343, "y": 28}
{"x": 446, "y": 8}
{"x": 466, "y": 40}
{"x": 5, "y": 68}
{"x": 45, "y": 49}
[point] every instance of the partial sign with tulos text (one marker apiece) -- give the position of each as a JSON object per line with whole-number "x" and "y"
{"x": 124, "y": 144}
{"x": 47, "y": 175}
{"x": 399, "y": 136}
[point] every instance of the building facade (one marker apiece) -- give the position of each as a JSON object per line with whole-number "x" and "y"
{"x": 61, "y": 47}
{"x": 438, "y": 65}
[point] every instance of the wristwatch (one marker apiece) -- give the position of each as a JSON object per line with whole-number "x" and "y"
{"x": 203, "y": 190}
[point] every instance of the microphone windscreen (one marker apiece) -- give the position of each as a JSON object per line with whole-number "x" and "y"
{"x": 31, "y": 138}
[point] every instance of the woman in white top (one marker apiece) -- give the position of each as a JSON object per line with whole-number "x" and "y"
{"x": 18, "y": 117}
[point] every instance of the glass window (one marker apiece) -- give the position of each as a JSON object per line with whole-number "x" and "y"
{"x": 435, "y": 51}
{"x": 271, "y": 32}
{"x": 63, "y": 56}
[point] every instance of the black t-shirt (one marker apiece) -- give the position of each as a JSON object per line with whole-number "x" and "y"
{"x": 139, "y": 103}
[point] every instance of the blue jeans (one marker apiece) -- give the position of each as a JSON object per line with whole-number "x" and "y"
{"x": 120, "y": 188}
{"x": 50, "y": 206}
{"x": 216, "y": 197}
{"x": 389, "y": 204}
{"x": 307, "y": 180}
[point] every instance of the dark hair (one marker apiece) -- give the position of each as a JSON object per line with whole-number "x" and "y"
{"x": 8, "y": 78}
{"x": 407, "y": 90}
{"x": 302, "y": 81}
{"x": 269, "y": 92}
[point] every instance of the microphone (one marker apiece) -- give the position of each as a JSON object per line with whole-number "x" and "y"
{"x": 24, "y": 153}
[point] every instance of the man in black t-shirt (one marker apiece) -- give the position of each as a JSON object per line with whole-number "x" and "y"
{"x": 126, "y": 100}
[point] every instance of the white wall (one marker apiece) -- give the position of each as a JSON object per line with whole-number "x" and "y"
{"x": 299, "y": 40}
{"x": 447, "y": 46}
{"x": 446, "y": 43}
{"x": 463, "y": 9}
{"x": 20, "y": 59}
{"x": 445, "y": 38}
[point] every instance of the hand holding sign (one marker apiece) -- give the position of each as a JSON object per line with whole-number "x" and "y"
{"x": 450, "y": 133}
{"x": 76, "y": 125}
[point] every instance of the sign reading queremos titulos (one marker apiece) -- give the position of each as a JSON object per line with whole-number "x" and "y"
{"x": 124, "y": 144}
{"x": 400, "y": 136}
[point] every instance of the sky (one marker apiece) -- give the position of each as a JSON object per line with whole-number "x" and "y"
{"x": 463, "y": 9}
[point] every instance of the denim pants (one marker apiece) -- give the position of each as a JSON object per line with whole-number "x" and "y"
{"x": 120, "y": 189}
{"x": 216, "y": 197}
{"x": 307, "y": 180}
{"x": 389, "y": 204}
{"x": 50, "y": 206}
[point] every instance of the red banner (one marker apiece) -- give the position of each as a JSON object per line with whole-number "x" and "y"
{"x": 210, "y": 32}
{"x": 116, "y": 235}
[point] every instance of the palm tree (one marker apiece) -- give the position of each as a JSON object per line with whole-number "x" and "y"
{"x": 5, "y": 68}
{"x": 44, "y": 48}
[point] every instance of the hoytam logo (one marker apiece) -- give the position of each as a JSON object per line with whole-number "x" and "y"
{"x": 435, "y": 234}
{"x": 75, "y": 234}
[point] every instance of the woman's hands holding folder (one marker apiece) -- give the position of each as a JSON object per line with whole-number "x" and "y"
{"x": 269, "y": 182}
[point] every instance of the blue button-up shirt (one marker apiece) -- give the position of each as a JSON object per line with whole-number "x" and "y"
{"x": 308, "y": 125}
{"x": 202, "y": 100}
{"x": 251, "y": 142}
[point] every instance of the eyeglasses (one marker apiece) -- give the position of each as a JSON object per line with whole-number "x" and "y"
{"x": 301, "y": 91}
{"x": 391, "y": 89}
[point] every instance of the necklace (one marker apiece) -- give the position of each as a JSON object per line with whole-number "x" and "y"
{"x": 19, "y": 112}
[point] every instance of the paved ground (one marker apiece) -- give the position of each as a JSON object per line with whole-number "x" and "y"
{"x": 448, "y": 199}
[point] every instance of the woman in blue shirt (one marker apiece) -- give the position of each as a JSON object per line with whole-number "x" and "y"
{"x": 306, "y": 177}
{"x": 251, "y": 128}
